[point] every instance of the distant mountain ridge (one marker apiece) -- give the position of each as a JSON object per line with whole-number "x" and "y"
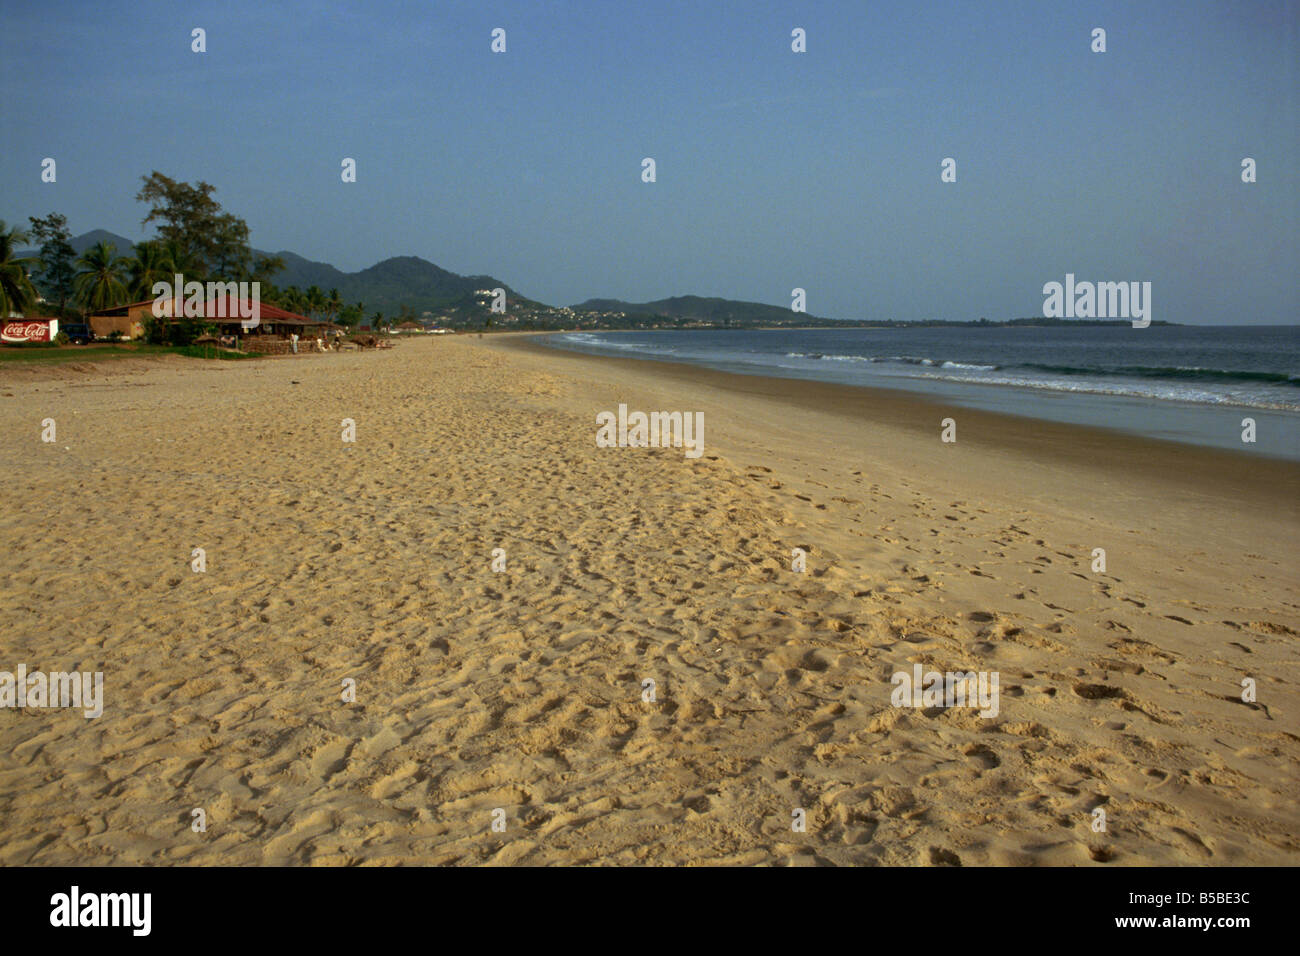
{"x": 439, "y": 296}
{"x": 392, "y": 283}
{"x": 423, "y": 286}
{"x": 87, "y": 239}
{"x": 695, "y": 308}
{"x": 426, "y": 287}
{"x": 386, "y": 286}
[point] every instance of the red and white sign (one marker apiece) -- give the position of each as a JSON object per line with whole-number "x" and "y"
{"x": 29, "y": 330}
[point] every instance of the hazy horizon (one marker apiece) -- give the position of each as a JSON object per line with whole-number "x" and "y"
{"x": 775, "y": 169}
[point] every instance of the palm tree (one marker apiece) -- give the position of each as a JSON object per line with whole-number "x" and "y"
{"x": 315, "y": 301}
{"x": 291, "y": 299}
{"x": 99, "y": 284}
{"x": 151, "y": 263}
{"x": 184, "y": 261}
{"x": 17, "y": 294}
{"x": 332, "y": 304}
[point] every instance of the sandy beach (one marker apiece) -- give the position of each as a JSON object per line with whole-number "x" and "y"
{"x": 522, "y": 691}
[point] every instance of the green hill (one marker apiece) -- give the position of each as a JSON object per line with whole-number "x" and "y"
{"x": 706, "y": 310}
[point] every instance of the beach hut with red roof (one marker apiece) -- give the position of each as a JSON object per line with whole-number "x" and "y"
{"x": 225, "y": 312}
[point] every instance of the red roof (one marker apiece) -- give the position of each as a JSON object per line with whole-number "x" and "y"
{"x": 267, "y": 312}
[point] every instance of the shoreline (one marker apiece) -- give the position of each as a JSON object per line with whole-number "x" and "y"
{"x": 1176, "y": 420}
{"x": 1211, "y": 470}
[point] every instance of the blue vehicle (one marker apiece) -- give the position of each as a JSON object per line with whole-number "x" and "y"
{"x": 79, "y": 333}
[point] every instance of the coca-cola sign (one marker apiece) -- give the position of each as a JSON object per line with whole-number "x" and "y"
{"x": 28, "y": 330}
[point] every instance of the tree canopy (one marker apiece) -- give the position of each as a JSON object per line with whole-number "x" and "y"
{"x": 55, "y": 269}
{"x": 204, "y": 237}
{"x": 17, "y": 294}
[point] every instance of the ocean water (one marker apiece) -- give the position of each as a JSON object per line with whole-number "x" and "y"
{"x": 1192, "y": 384}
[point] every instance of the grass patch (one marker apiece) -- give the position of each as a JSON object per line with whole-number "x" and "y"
{"x": 105, "y": 352}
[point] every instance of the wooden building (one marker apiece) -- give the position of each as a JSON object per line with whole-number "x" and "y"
{"x": 222, "y": 312}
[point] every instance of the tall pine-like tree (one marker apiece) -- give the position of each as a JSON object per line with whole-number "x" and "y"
{"x": 56, "y": 271}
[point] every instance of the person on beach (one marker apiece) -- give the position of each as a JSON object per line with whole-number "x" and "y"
{"x": 293, "y": 339}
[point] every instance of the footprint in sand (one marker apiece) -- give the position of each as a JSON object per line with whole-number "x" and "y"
{"x": 941, "y": 857}
{"x": 982, "y": 756}
{"x": 330, "y": 759}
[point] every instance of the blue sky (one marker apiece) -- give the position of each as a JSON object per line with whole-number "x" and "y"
{"x": 775, "y": 170}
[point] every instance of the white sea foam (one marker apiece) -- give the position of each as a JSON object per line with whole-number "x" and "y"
{"x": 921, "y": 367}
